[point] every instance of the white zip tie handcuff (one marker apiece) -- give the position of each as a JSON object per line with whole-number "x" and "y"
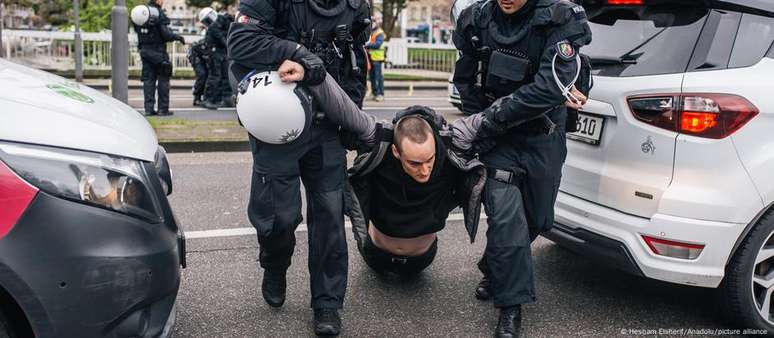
{"x": 567, "y": 90}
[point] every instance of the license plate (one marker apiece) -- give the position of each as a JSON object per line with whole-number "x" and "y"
{"x": 589, "y": 129}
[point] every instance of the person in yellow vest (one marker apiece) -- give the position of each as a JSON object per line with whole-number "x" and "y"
{"x": 376, "y": 54}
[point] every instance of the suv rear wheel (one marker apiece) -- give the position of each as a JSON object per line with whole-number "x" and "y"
{"x": 749, "y": 286}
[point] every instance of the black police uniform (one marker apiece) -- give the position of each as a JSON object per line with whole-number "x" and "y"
{"x": 217, "y": 82}
{"x": 199, "y": 57}
{"x": 525, "y": 166}
{"x": 152, "y": 39}
{"x": 264, "y": 34}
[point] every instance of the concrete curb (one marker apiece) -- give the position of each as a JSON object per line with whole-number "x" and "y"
{"x": 399, "y": 86}
{"x": 204, "y": 146}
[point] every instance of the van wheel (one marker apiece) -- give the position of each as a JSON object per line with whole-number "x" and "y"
{"x": 5, "y": 328}
{"x": 748, "y": 290}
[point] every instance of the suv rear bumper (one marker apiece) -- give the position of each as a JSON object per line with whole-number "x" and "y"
{"x": 617, "y": 237}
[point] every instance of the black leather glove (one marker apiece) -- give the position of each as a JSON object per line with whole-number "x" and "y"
{"x": 489, "y": 127}
{"x": 314, "y": 69}
{"x": 487, "y": 131}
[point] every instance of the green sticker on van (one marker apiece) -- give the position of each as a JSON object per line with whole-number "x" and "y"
{"x": 70, "y": 92}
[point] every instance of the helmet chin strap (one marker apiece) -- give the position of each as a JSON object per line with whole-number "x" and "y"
{"x": 567, "y": 90}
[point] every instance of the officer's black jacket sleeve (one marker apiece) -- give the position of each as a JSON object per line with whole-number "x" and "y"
{"x": 543, "y": 93}
{"x": 254, "y": 44}
{"x": 166, "y": 34}
{"x": 218, "y": 33}
{"x": 467, "y": 65}
{"x": 361, "y": 34}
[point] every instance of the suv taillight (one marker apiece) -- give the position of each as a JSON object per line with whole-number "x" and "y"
{"x": 625, "y": 2}
{"x": 15, "y": 195}
{"x": 699, "y": 114}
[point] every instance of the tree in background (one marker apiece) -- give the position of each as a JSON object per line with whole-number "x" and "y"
{"x": 95, "y": 14}
{"x": 222, "y": 4}
{"x": 390, "y": 11}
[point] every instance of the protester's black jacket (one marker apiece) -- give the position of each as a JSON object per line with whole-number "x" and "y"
{"x": 467, "y": 191}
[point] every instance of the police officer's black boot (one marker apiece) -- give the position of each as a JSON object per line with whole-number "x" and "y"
{"x": 273, "y": 287}
{"x": 484, "y": 289}
{"x": 327, "y": 322}
{"x": 509, "y": 324}
{"x": 212, "y": 105}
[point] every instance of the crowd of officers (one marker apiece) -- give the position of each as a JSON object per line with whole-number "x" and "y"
{"x": 207, "y": 57}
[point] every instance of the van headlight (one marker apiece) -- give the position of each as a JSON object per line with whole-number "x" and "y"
{"x": 109, "y": 182}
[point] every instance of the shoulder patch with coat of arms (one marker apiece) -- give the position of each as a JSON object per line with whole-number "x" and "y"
{"x": 565, "y": 50}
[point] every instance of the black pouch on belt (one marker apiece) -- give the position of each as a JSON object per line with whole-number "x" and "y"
{"x": 506, "y": 73}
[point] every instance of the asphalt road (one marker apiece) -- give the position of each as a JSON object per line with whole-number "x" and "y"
{"x": 182, "y": 106}
{"x": 220, "y": 290}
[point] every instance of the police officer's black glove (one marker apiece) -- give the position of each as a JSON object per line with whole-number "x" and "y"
{"x": 489, "y": 127}
{"x": 314, "y": 69}
{"x": 487, "y": 131}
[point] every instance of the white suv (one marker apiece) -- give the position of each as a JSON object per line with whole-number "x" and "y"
{"x": 670, "y": 175}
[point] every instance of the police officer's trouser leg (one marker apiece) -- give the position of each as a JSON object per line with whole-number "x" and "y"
{"x": 201, "y": 79}
{"x": 149, "y": 78}
{"x": 508, "y": 255}
{"x": 225, "y": 87}
{"x": 323, "y": 171}
{"x": 164, "y": 73}
{"x": 520, "y": 211}
{"x": 275, "y": 209}
{"x": 214, "y": 79}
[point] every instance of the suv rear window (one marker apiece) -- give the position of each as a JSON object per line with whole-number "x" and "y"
{"x": 755, "y": 37}
{"x": 636, "y": 41}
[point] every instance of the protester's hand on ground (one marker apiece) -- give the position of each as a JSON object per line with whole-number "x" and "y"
{"x": 291, "y": 71}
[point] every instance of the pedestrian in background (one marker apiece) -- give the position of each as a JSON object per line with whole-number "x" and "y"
{"x": 376, "y": 54}
{"x": 152, "y": 38}
{"x": 199, "y": 57}
{"x": 218, "y": 92}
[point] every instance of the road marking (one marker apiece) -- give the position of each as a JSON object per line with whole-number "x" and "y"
{"x": 235, "y": 232}
{"x": 401, "y": 108}
{"x": 174, "y": 110}
{"x": 390, "y": 98}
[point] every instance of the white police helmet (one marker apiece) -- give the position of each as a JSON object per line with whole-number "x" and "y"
{"x": 273, "y": 111}
{"x": 144, "y": 15}
{"x": 458, "y": 7}
{"x": 207, "y": 16}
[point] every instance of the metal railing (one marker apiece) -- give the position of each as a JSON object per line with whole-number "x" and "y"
{"x": 55, "y": 50}
{"x": 402, "y": 54}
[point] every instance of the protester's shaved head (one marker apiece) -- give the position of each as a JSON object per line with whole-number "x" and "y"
{"x": 414, "y": 147}
{"x": 413, "y": 128}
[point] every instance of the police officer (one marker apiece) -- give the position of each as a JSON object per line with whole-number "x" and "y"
{"x": 152, "y": 37}
{"x": 518, "y": 61}
{"x": 199, "y": 57}
{"x": 315, "y": 36}
{"x": 218, "y": 90}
